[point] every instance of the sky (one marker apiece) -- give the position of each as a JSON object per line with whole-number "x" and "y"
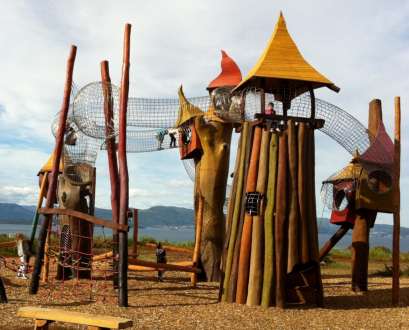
{"x": 362, "y": 46}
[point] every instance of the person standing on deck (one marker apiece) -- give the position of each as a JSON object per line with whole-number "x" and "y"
{"x": 172, "y": 134}
{"x": 160, "y": 259}
{"x": 160, "y": 136}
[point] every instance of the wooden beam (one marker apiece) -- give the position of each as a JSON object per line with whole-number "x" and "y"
{"x": 172, "y": 267}
{"x": 167, "y": 247}
{"x": 85, "y": 217}
{"x": 123, "y": 173}
{"x": 317, "y": 123}
{"x": 327, "y": 247}
{"x": 61, "y": 315}
{"x": 396, "y": 214}
{"x": 52, "y": 187}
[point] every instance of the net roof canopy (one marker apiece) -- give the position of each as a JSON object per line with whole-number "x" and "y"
{"x": 282, "y": 66}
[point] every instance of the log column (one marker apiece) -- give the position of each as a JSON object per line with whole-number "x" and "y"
{"x": 365, "y": 218}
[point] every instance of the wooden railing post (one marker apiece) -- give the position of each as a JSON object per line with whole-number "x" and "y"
{"x": 396, "y": 214}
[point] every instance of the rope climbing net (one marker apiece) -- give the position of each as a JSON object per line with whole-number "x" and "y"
{"x": 80, "y": 266}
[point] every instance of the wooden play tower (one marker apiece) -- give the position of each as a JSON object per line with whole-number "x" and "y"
{"x": 271, "y": 256}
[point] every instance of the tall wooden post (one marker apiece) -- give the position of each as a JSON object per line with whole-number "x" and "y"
{"x": 123, "y": 173}
{"x": 52, "y": 188}
{"x": 365, "y": 218}
{"x": 39, "y": 204}
{"x": 245, "y": 243}
{"x": 112, "y": 161}
{"x": 135, "y": 232}
{"x": 396, "y": 214}
{"x": 198, "y": 237}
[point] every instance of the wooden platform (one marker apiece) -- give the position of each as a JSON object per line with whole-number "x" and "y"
{"x": 44, "y": 316}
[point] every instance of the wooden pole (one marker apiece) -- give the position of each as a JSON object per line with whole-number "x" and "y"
{"x": 293, "y": 216}
{"x": 280, "y": 223}
{"x": 3, "y": 295}
{"x": 396, "y": 214}
{"x": 327, "y": 247}
{"x": 365, "y": 218}
{"x": 198, "y": 237}
{"x": 135, "y": 232}
{"x": 245, "y": 248}
{"x": 239, "y": 174}
{"x": 302, "y": 191}
{"x": 312, "y": 211}
{"x": 39, "y": 204}
{"x": 255, "y": 285}
{"x": 123, "y": 173}
{"x": 112, "y": 161}
{"x": 46, "y": 265}
{"x": 232, "y": 289}
{"x": 52, "y": 187}
{"x": 229, "y": 218}
{"x": 269, "y": 267}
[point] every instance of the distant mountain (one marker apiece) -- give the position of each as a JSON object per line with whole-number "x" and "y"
{"x": 14, "y": 213}
{"x": 156, "y": 216}
{"x": 170, "y": 216}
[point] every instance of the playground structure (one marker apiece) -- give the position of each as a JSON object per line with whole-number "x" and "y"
{"x": 266, "y": 252}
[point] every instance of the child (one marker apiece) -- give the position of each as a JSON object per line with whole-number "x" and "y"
{"x": 270, "y": 109}
{"x": 23, "y": 251}
{"x": 160, "y": 259}
{"x": 172, "y": 134}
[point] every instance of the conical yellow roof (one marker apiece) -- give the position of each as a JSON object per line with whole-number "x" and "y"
{"x": 48, "y": 166}
{"x": 187, "y": 110}
{"x": 281, "y": 64}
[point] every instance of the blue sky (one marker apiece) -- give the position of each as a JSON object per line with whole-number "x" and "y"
{"x": 362, "y": 46}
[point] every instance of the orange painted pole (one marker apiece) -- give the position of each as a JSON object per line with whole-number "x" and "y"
{"x": 245, "y": 248}
{"x": 396, "y": 214}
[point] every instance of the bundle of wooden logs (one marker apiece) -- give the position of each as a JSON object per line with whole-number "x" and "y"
{"x": 271, "y": 250}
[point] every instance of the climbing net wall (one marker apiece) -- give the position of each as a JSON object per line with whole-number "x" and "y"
{"x": 73, "y": 274}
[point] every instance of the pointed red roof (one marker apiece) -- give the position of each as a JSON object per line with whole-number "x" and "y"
{"x": 230, "y": 75}
{"x": 381, "y": 150}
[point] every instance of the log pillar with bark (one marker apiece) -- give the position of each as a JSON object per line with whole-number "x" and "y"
{"x": 212, "y": 166}
{"x": 365, "y": 219}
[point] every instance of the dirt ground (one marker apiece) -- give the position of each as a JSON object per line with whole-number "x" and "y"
{"x": 174, "y": 304}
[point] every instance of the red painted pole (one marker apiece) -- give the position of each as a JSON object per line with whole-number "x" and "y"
{"x": 52, "y": 188}
{"x": 123, "y": 173}
{"x": 112, "y": 160}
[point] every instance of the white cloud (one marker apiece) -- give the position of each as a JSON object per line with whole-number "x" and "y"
{"x": 360, "y": 45}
